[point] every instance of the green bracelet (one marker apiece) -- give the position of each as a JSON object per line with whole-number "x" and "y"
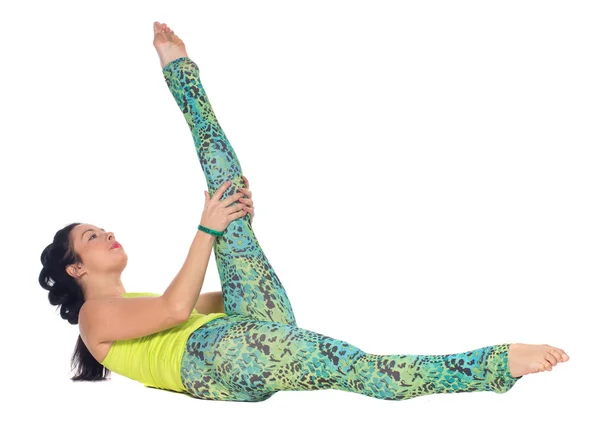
{"x": 210, "y": 231}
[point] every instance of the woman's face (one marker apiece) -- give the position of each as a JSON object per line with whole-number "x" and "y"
{"x": 95, "y": 248}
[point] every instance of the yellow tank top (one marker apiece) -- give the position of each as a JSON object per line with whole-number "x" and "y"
{"x": 155, "y": 360}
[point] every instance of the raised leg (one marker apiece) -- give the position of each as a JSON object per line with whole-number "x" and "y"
{"x": 240, "y": 359}
{"x": 249, "y": 283}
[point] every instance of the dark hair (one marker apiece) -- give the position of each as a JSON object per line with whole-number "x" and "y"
{"x": 64, "y": 291}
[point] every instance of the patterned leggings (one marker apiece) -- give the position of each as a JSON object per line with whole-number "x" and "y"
{"x": 257, "y": 350}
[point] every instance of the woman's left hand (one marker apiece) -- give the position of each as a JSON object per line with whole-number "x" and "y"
{"x": 247, "y": 199}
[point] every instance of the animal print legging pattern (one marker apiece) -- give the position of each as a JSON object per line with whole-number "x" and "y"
{"x": 258, "y": 350}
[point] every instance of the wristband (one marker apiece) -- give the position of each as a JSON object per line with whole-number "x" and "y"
{"x": 210, "y": 231}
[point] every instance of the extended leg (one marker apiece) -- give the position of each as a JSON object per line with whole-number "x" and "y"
{"x": 250, "y": 285}
{"x": 240, "y": 359}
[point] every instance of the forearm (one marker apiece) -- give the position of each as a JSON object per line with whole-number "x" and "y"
{"x": 185, "y": 288}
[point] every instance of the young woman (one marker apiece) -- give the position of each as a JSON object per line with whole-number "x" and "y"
{"x": 242, "y": 344}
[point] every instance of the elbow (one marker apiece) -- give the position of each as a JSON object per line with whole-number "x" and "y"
{"x": 181, "y": 314}
{"x": 177, "y": 312}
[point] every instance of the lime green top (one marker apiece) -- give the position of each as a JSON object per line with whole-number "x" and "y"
{"x": 155, "y": 360}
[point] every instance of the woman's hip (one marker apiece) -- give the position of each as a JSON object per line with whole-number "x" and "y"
{"x": 201, "y": 376}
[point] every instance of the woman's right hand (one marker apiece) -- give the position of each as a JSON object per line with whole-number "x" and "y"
{"x": 218, "y": 214}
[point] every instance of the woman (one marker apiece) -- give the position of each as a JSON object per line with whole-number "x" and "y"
{"x": 243, "y": 344}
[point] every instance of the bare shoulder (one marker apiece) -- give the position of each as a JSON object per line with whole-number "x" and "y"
{"x": 103, "y": 321}
{"x": 97, "y": 349}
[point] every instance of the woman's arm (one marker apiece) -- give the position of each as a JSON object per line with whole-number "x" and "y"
{"x": 184, "y": 290}
{"x": 210, "y": 302}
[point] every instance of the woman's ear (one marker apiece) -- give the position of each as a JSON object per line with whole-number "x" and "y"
{"x": 74, "y": 270}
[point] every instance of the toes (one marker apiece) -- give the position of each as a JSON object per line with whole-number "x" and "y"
{"x": 550, "y": 357}
{"x": 559, "y": 352}
{"x": 564, "y": 355}
{"x": 556, "y": 354}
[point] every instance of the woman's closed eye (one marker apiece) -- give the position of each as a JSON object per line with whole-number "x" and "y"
{"x": 93, "y": 234}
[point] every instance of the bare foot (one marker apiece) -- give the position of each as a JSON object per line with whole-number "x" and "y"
{"x": 168, "y": 45}
{"x": 527, "y": 359}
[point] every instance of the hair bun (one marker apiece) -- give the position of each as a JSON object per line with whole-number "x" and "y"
{"x": 63, "y": 289}
{"x": 47, "y": 255}
{"x": 58, "y": 297}
{"x": 70, "y": 312}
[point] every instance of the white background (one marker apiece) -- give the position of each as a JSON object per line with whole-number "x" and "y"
{"x": 425, "y": 178}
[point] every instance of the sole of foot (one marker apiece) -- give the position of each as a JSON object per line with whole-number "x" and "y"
{"x": 528, "y": 359}
{"x": 168, "y": 45}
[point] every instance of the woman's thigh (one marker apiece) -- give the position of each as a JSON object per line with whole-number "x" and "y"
{"x": 238, "y": 358}
{"x": 202, "y": 365}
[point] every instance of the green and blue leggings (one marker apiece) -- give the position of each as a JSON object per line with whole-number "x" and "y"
{"x": 258, "y": 350}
